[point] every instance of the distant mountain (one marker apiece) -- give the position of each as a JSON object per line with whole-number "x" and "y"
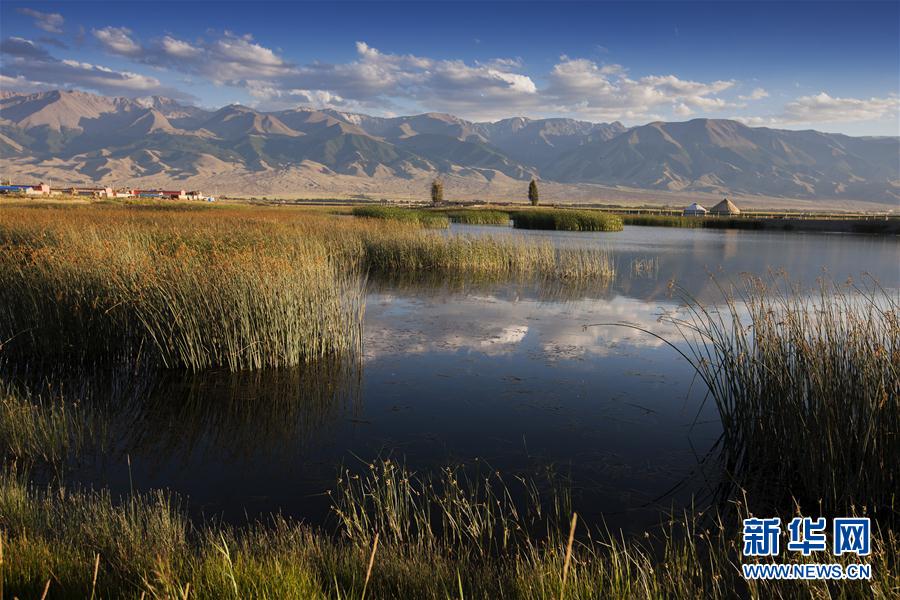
{"x": 722, "y": 156}
{"x": 76, "y": 136}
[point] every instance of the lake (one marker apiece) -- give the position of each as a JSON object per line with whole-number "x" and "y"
{"x": 521, "y": 378}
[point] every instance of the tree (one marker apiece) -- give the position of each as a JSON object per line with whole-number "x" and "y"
{"x": 533, "y": 193}
{"x": 437, "y": 191}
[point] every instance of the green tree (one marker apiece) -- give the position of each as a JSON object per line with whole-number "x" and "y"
{"x": 437, "y": 191}
{"x": 533, "y": 193}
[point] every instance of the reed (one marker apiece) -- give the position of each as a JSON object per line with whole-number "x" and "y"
{"x": 478, "y": 217}
{"x": 425, "y": 218}
{"x": 146, "y": 546}
{"x": 566, "y": 220}
{"x": 807, "y": 386}
{"x": 240, "y": 289}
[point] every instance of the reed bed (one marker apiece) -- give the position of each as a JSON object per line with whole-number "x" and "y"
{"x": 807, "y": 387}
{"x": 425, "y": 218}
{"x": 180, "y": 293}
{"x": 566, "y": 220}
{"x": 240, "y": 289}
{"x": 397, "y": 536}
{"x": 478, "y": 217}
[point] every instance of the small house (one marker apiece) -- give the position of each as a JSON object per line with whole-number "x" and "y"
{"x": 41, "y": 189}
{"x": 725, "y": 208}
{"x": 695, "y": 210}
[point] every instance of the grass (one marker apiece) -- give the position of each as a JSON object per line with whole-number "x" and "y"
{"x": 240, "y": 289}
{"x": 448, "y": 537}
{"x": 425, "y": 218}
{"x": 566, "y": 220}
{"x": 807, "y": 387}
{"x": 478, "y": 217}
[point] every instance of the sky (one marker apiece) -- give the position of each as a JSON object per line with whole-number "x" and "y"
{"x": 830, "y": 66}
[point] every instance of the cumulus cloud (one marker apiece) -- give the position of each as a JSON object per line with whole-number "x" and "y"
{"x": 49, "y": 22}
{"x": 757, "y": 94}
{"x": 117, "y": 40}
{"x": 607, "y": 92}
{"x": 823, "y": 108}
{"x": 28, "y": 66}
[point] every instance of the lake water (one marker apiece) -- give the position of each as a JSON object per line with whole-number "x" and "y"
{"x": 506, "y": 376}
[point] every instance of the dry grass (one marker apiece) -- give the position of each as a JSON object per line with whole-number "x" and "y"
{"x": 242, "y": 288}
{"x": 467, "y": 543}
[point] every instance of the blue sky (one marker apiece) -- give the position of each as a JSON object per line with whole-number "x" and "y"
{"x": 830, "y": 66}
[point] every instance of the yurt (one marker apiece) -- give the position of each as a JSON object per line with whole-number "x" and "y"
{"x": 725, "y": 208}
{"x": 695, "y": 210}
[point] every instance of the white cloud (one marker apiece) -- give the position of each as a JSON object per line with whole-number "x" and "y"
{"x": 49, "y": 22}
{"x": 117, "y": 40}
{"x": 823, "y": 108}
{"x": 583, "y": 87}
{"x": 757, "y": 94}
{"x": 29, "y": 64}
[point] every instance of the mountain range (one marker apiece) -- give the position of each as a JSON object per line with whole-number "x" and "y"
{"x": 76, "y": 137}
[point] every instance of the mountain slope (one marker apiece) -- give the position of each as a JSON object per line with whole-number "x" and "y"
{"x": 83, "y": 137}
{"x": 724, "y": 156}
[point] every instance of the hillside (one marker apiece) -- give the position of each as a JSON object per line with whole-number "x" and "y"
{"x": 79, "y": 137}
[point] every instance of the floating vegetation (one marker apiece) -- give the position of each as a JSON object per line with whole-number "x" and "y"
{"x": 558, "y": 219}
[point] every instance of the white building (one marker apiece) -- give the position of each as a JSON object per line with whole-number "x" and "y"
{"x": 695, "y": 210}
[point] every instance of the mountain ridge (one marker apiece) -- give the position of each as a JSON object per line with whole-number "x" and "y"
{"x": 115, "y": 140}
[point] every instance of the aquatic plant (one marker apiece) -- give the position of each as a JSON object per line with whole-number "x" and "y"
{"x": 566, "y": 220}
{"x": 249, "y": 288}
{"x": 425, "y": 218}
{"x": 807, "y": 387}
{"x": 477, "y": 216}
{"x": 398, "y": 536}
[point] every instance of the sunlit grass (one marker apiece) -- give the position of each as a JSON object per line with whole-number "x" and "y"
{"x": 448, "y": 537}
{"x": 247, "y": 288}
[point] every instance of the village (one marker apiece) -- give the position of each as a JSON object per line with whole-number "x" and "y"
{"x": 44, "y": 189}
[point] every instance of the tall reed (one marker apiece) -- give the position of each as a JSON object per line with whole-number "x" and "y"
{"x": 566, "y": 220}
{"x": 807, "y": 386}
{"x": 239, "y": 289}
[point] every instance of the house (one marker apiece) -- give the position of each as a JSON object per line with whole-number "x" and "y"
{"x": 725, "y": 208}
{"x": 174, "y": 194}
{"x": 41, "y": 189}
{"x": 695, "y": 210}
{"x": 93, "y": 192}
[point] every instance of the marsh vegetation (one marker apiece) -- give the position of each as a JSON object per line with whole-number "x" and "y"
{"x": 233, "y": 327}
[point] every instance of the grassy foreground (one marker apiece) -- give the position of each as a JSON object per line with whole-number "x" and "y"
{"x": 397, "y": 536}
{"x": 244, "y": 288}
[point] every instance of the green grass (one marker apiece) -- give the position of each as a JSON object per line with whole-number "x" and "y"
{"x": 425, "y": 218}
{"x": 566, "y": 220}
{"x": 478, "y": 217}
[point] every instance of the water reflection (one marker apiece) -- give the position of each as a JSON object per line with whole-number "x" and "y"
{"x": 467, "y": 370}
